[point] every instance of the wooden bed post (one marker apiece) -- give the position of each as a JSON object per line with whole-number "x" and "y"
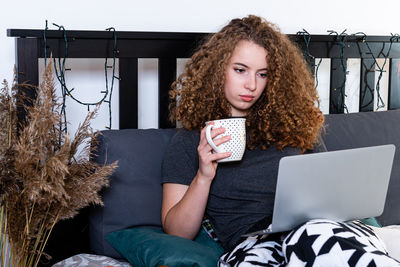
{"x": 26, "y": 61}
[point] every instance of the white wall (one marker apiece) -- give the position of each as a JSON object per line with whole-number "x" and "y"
{"x": 316, "y": 16}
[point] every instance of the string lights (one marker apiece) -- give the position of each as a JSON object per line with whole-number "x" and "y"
{"x": 60, "y": 70}
{"x": 310, "y": 58}
{"x": 376, "y": 67}
{"x": 341, "y": 40}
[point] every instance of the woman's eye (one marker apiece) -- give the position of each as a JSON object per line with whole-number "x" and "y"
{"x": 262, "y": 75}
{"x": 239, "y": 70}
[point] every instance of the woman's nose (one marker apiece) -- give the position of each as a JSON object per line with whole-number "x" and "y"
{"x": 251, "y": 83}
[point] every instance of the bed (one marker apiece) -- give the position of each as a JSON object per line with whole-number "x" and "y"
{"x": 167, "y": 47}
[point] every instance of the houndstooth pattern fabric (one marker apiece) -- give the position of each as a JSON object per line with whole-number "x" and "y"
{"x": 254, "y": 251}
{"x": 316, "y": 243}
{"x": 329, "y": 243}
{"x": 91, "y": 260}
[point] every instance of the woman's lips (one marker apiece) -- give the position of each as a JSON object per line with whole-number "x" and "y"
{"x": 246, "y": 98}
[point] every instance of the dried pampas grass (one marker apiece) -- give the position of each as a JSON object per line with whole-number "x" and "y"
{"x": 42, "y": 179}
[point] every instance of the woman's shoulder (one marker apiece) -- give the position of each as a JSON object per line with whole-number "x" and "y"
{"x": 180, "y": 161}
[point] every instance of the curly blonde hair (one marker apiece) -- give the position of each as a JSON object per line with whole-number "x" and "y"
{"x": 287, "y": 112}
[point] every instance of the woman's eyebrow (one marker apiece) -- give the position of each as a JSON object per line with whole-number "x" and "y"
{"x": 244, "y": 65}
{"x": 241, "y": 64}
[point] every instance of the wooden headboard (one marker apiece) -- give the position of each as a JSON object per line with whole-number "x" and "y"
{"x": 168, "y": 46}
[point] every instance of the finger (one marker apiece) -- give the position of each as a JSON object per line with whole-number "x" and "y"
{"x": 217, "y": 131}
{"x": 205, "y": 150}
{"x": 218, "y": 137}
{"x": 222, "y": 140}
{"x": 218, "y": 156}
{"x": 214, "y": 133}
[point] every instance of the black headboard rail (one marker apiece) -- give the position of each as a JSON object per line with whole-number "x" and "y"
{"x": 168, "y": 46}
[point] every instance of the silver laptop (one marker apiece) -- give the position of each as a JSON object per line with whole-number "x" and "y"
{"x": 340, "y": 185}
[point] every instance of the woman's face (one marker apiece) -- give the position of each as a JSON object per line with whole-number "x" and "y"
{"x": 245, "y": 76}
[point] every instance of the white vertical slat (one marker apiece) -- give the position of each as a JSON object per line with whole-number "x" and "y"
{"x": 147, "y": 93}
{"x": 323, "y": 75}
{"x": 352, "y": 86}
{"x": 383, "y": 85}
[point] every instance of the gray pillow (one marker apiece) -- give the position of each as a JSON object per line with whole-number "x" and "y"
{"x": 134, "y": 195}
{"x": 362, "y": 129}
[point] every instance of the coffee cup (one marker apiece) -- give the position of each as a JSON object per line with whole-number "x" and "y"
{"x": 236, "y": 129}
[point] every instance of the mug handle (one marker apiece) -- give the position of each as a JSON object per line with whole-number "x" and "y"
{"x": 209, "y": 139}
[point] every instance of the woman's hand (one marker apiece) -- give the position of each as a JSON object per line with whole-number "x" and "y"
{"x": 208, "y": 160}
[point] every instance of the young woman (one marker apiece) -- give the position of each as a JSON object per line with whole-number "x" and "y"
{"x": 248, "y": 69}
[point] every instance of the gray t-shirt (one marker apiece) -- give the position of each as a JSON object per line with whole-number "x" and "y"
{"x": 242, "y": 193}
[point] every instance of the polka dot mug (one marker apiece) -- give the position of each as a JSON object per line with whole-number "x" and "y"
{"x": 236, "y": 128}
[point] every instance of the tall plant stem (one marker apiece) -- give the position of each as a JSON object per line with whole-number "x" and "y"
{"x": 3, "y": 233}
{"x": 10, "y": 126}
{"x": 47, "y": 235}
{"x": 5, "y": 248}
{"x": 39, "y": 239}
{"x": 3, "y": 223}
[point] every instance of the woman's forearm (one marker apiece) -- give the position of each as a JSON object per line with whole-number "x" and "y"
{"x": 185, "y": 217}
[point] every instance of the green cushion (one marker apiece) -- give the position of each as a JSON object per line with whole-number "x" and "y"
{"x": 152, "y": 247}
{"x": 372, "y": 221}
